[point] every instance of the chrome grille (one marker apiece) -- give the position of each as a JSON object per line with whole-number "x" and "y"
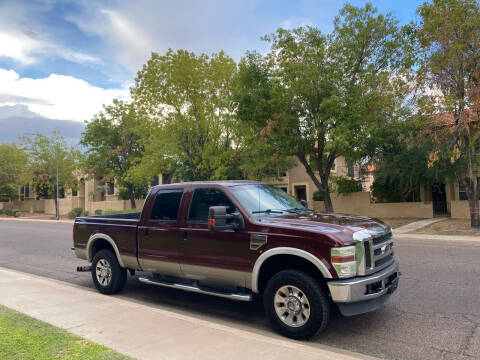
{"x": 377, "y": 250}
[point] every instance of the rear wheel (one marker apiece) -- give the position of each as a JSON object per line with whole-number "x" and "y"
{"x": 107, "y": 274}
{"x": 296, "y": 304}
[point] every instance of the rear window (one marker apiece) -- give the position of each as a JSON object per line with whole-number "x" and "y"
{"x": 165, "y": 207}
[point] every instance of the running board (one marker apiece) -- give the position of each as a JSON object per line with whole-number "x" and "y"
{"x": 196, "y": 289}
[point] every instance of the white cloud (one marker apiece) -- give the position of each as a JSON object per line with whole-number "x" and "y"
{"x": 56, "y": 96}
{"x": 26, "y": 40}
{"x": 292, "y": 23}
{"x": 133, "y": 29}
{"x": 28, "y": 49}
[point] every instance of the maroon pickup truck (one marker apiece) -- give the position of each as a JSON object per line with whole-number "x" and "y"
{"x": 239, "y": 239}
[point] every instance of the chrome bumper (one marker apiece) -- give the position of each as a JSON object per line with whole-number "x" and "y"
{"x": 365, "y": 287}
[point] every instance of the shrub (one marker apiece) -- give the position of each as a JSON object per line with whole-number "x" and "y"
{"x": 98, "y": 212}
{"x": 75, "y": 212}
{"x": 318, "y": 196}
{"x": 16, "y": 213}
{"x": 2, "y": 211}
{"x": 85, "y": 213}
{"x": 9, "y": 212}
{"x": 112, "y": 212}
{"x": 347, "y": 186}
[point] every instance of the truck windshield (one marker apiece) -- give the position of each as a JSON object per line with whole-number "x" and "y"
{"x": 267, "y": 199}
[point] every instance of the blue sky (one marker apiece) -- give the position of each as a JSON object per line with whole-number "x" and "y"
{"x": 62, "y": 59}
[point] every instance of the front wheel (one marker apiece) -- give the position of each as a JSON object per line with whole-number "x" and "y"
{"x": 107, "y": 274}
{"x": 296, "y": 304}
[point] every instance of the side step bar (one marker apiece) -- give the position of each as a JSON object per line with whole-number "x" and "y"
{"x": 84, "y": 268}
{"x": 196, "y": 289}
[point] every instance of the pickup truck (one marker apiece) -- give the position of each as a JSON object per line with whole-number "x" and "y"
{"x": 241, "y": 240}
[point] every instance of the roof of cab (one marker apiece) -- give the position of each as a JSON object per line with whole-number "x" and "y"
{"x": 225, "y": 183}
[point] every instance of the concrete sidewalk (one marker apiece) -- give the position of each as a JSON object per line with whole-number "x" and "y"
{"x": 146, "y": 332}
{"x": 38, "y": 220}
{"x": 416, "y": 225}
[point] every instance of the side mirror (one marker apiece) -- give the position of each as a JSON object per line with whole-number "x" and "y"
{"x": 219, "y": 220}
{"x": 304, "y": 203}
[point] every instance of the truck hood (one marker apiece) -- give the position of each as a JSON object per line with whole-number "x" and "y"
{"x": 340, "y": 226}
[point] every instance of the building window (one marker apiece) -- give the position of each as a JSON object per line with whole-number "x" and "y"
{"x": 155, "y": 180}
{"x": 74, "y": 192}
{"x": 351, "y": 170}
{"x": 165, "y": 178}
{"x": 27, "y": 191}
{"x": 110, "y": 188}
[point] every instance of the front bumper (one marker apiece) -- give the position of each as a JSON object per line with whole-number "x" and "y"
{"x": 366, "y": 287}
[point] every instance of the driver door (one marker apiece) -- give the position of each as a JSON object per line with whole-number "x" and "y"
{"x": 213, "y": 257}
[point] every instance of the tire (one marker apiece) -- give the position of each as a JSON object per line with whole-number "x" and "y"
{"x": 107, "y": 274}
{"x": 306, "y": 309}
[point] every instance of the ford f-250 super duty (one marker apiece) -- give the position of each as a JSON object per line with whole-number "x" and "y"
{"x": 238, "y": 239}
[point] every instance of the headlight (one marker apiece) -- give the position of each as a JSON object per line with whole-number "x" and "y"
{"x": 343, "y": 260}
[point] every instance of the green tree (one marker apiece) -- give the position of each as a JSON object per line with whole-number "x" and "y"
{"x": 14, "y": 170}
{"x": 403, "y": 164}
{"x": 188, "y": 99}
{"x": 319, "y": 97}
{"x": 115, "y": 141}
{"x": 448, "y": 43}
{"x": 43, "y": 154}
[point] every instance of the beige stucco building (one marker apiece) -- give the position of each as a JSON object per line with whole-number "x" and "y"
{"x": 298, "y": 183}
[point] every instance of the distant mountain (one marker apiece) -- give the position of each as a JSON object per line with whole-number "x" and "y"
{"x": 17, "y": 120}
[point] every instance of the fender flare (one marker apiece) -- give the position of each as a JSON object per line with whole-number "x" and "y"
{"x": 286, "y": 251}
{"x": 102, "y": 236}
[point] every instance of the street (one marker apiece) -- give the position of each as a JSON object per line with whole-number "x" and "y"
{"x": 435, "y": 313}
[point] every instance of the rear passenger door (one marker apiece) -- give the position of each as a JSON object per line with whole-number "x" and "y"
{"x": 213, "y": 257}
{"x": 159, "y": 234}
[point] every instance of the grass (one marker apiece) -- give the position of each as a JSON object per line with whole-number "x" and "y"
{"x": 397, "y": 222}
{"x": 450, "y": 227}
{"x": 25, "y": 338}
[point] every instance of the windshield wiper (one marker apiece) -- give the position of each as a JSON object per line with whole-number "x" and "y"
{"x": 297, "y": 209}
{"x": 268, "y": 211}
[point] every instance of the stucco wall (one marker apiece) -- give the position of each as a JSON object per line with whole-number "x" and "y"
{"x": 460, "y": 209}
{"x": 359, "y": 204}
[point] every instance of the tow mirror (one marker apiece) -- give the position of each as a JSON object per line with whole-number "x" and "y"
{"x": 219, "y": 220}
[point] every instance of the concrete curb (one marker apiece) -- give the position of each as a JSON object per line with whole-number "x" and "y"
{"x": 452, "y": 238}
{"x": 39, "y": 220}
{"x": 147, "y": 332}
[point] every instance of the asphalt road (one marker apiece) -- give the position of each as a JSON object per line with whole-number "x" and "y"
{"x": 435, "y": 313}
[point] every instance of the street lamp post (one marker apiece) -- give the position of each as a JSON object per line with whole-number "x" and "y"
{"x": 57, "y": 212}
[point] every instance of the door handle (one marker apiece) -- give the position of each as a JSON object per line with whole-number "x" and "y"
{"x": 185, "y": 236}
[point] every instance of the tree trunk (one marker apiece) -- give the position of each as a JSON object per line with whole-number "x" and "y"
{"x": 322, "y": 185}
{"x": 131, "y": 196}
{"x": 328, "y": 201}
{"x": 474, "y": 213}
{"x": 473, "y": 193}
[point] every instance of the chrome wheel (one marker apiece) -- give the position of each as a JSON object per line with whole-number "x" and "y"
{"x": 292, "y": 306}
{"x": 103, "y": 271}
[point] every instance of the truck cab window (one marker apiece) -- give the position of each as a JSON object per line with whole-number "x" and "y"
{"x": 165, "y": 207}
{"x": 203, "y": 199}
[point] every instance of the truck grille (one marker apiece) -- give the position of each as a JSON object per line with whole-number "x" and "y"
{"x": 378, "y": 251}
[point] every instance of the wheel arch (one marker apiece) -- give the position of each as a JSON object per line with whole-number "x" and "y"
{"x": 104, "y": 238}
{"x": 281, "y": 252}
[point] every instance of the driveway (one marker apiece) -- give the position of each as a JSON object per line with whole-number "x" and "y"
{"x": 435, "y": 313}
